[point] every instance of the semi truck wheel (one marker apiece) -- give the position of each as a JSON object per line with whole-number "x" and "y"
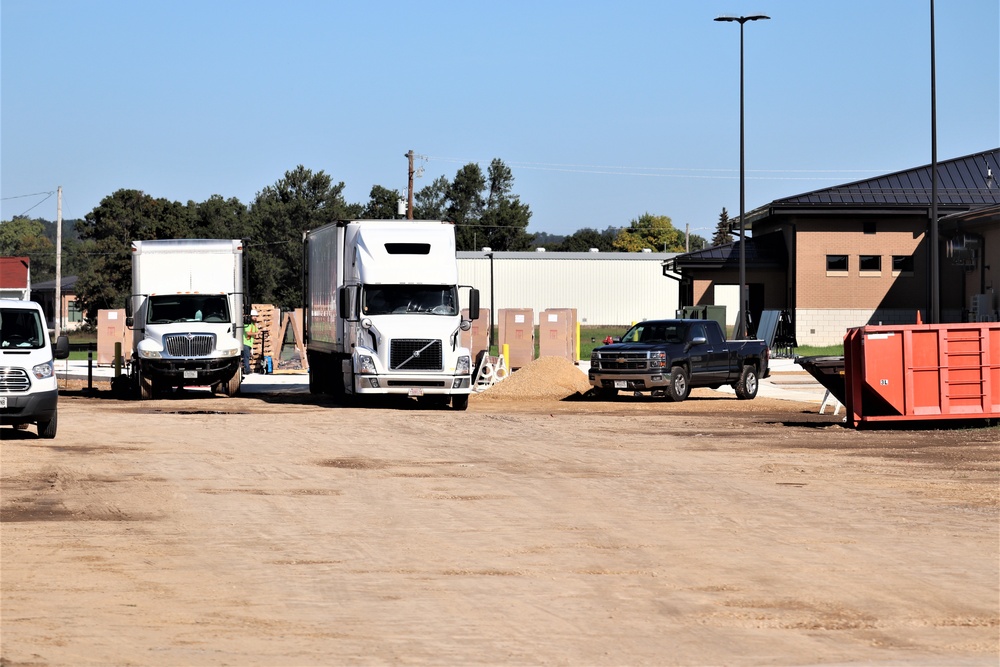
{"x": 47, "y": 429}
{"x": 746, "y": 386}
{"x": 679, "y": 387}
{"x": 460, "y": 402}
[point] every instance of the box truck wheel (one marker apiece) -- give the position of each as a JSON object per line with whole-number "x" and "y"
{"x": 232, "y": 387}
{"x": 460, "y": 401}
{"x": 145, "y": 387}
{"x": 47, "y": 429}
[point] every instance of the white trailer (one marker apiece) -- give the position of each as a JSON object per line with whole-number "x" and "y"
{"x": 186, "y": 309}
{"x": 383, "y": 314}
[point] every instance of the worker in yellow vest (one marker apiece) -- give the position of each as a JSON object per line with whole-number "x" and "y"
{"x": 250, "y": 333}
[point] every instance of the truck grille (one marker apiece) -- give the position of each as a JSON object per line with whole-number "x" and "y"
{"x": 624, "y": 361}
{"x": 406, "y": 354}
{"x": 14, "y": 379}
{"x": 189, "y": 345}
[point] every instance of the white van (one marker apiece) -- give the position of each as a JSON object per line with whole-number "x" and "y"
{"x": 28, "y": 389}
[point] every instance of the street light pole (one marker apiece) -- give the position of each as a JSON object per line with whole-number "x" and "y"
{"x": 741, "y": 322}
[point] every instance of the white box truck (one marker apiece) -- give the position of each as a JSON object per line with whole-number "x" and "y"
{"x": 186, "y": 310}
{"x": 28, "y": 390}
{"x": 383, "y": 313}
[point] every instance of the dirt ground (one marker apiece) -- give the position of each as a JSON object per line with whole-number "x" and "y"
{"x": 283, "y": 529}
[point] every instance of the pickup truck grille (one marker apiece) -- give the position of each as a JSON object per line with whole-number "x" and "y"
{"x": 624, "y": 361}
{"x": 408, "y": 354}
{"x": 14, "y": 379}
{"x": 189, "y": 345}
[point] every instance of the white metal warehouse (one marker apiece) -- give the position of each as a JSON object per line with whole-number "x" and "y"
{"x": 606, "y": 288}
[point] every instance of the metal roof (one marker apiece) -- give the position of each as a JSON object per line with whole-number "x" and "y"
{"x": 964, "y": 183}
{"x": 764, "y": 252}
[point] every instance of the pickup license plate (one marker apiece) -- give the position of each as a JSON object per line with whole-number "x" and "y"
{"x": 190, "y": 375}
{"x": 416, "y": 391}
{"x": 3, "y": 401}
{"x": 621, "y": 384}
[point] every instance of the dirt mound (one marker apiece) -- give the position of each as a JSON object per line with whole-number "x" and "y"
{"x": 552, "y": 378}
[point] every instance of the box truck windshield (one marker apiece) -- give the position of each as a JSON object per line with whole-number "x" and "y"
{"x": 170, "y": 308}
{"x": 21, "y": 329}
{"x": 425, "y": 299}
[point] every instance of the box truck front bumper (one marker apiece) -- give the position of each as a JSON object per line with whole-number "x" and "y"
{"x": 190, "y": 372}
{"x": 413, "y": 385}
{"x": 29, "y": 407}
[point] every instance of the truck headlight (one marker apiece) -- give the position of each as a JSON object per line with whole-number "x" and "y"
{"x": 657, "y": 359}
{"x": 595, "y": 361}
{"x": 43, "y": 371}
{"x": 150, "y": 354}
{"x": 366, "y": 364}
{"x": 464, "y": 366}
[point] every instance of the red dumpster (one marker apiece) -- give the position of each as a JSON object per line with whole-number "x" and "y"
{"x": 922, "y": 371}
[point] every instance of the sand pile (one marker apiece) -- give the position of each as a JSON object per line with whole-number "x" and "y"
{"x": 552, "y": 378}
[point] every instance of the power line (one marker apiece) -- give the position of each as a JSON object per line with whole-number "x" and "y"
{"x": 35, "y": 194}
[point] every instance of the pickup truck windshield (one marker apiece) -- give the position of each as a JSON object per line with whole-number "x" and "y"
{"x": 432, "y": 299}
{"x": 655, "y": 332}
{"x": 21, "y": 328}
{"x": 170, "y": 308}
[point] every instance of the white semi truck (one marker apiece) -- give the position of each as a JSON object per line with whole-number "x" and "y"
{"x": 186, "y": 309}
{"x": 382, "y": 311}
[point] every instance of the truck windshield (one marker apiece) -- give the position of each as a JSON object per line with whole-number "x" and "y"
{"x": 654, "y": 332}
{"x": 21, "y": 328}
{"x": 386, "y": 299}
{"x": 169, "y": 308}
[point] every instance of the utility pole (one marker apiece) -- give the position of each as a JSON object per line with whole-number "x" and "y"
{"x": 57, "y": 318}
{"x": 409, "y": 188}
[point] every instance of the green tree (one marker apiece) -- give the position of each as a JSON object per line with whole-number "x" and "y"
{"x": 655, "y": 232}
{"x": 25, "y": 237}
{"x": 108, "y": 232}
{"x": 505, "y": 220}
{"x": 431, "y": 201}
{"x": 219, "y": 218}
{"x": 383, "y": 204}
{"x": 722, "y": 229}
{"x": 280, "y": 213}
{"x": 584, "y": 239}
{"x": 465, "y": 206}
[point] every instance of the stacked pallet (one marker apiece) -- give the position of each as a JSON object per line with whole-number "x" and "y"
{"x": 268, "y": 344}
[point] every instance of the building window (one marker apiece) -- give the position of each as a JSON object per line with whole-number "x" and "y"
{"x": 870, "y": 265}
{"x": 836, "y": 265}
{"x": 902, "y": 265}
{"x": 73, "y": 312}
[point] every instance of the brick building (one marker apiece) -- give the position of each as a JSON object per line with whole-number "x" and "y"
{"x": 859, "y": 253}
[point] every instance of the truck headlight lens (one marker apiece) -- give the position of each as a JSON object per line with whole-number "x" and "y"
{"x": 464, "y": 366}
{"x": 150, "y": 354}
{"x": 657, "y": 359}
{"x": 43, "y": 371}
{"x": 366, "y": 364}
{"x": 595, "y": 361}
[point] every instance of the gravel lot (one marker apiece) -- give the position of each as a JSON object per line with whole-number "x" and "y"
{"x": 538, "y": 527}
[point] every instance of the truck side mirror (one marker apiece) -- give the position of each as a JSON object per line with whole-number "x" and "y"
{"x": 130, "y": 321}
{"x": 473, "y": 304}
{"x": 62, "y": 347}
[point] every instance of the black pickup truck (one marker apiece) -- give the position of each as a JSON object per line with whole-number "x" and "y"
{"x": 670, "y": 357}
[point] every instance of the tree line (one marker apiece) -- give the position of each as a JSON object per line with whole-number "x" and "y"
{"x": 483, "y": 206}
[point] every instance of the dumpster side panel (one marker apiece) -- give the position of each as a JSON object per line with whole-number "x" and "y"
{"x": 923, "y": 366}
{"x": 883, "y": 368}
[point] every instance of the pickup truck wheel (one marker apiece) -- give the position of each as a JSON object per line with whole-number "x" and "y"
{"x": 47, "y": 429}
{"x": 679, "y": 387}
{"x": 746, "y": 386}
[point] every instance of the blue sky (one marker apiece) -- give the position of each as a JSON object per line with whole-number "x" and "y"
{"x": 604, "y": 111}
